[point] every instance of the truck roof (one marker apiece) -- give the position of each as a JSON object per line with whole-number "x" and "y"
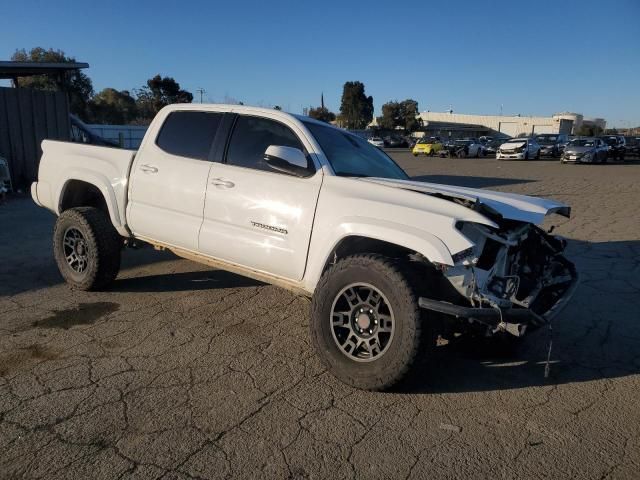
{"x": 225, "y": 107}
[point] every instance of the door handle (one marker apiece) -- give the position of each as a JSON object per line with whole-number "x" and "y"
{"x": 221, "y": 182}
{"x": 148, "y": 168}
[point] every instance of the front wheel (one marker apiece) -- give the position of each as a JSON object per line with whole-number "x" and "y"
{"x": 87, "y": 248}
{"x": 365, "y": 322}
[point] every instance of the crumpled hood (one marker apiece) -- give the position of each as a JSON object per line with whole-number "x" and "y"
{"x": 509, "y": 146}
{"x": 510, "y": 205}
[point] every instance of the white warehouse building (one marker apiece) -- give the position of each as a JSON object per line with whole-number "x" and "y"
{"x": 513, "y": 125}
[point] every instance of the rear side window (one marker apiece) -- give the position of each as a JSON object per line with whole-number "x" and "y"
{"x": 251, "y": 137}
{"x": 189, "y": 134}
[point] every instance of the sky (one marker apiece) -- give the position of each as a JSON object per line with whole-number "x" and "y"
{"x": 478, "y": 57}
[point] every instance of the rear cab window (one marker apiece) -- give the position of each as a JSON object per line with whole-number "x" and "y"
{"x": 189, "y": 134}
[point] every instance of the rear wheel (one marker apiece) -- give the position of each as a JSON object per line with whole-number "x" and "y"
{"x": 87, "y": 248}
{"x": 365, "y": 323}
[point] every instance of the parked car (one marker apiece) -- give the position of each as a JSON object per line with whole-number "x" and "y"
{"x": 295, "y": 202}
{"x": 518, "y": 149}
{"x": 617, "y": 146}
{"x": 585, "y": 150}
{"x": 376, "y": 142}
{"x": 491, "y": 147}
{"x": 633, "y": 146}
{"x": 552, "y": 144}
{"x": 427, "y": 146}
{"x": 466, "y": 147}
{"x": 393, "y": 141}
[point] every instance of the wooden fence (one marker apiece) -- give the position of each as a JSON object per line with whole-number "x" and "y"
{"x": 26, "y": 118}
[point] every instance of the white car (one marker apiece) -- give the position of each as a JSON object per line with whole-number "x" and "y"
{"x": 376, "y": 142}
{"x": 518, "y": 149}
{"x": 312, "y": 208}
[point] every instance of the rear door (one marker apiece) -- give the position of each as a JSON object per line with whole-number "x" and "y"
{"x": 169, "y": 179}
{"x": 254, "y": 216}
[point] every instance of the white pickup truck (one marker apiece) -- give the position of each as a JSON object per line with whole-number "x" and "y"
{"x": 389, "y": 262}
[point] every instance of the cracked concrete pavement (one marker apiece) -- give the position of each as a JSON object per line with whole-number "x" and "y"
{"x": 180, "y": 371}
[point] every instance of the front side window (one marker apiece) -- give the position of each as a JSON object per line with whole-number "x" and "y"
{"x": 351, "y": 156}
{"x": 189, "y": 134}
{"x": 251, "y": 137}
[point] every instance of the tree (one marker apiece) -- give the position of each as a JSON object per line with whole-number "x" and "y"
{"x": 408, "y": 113}
{"x": 390, "y": 118}
{"x": 589, "y": 131}
{"x": 77, "y": 85}
{"x": 399, "y": 114}
{"x": 158, "y": 93}
{"x": 323, "y": 114}
{"x": 113, "y": 107}
{"x": 356, "y": 109}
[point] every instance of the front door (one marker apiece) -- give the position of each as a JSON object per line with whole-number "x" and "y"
{"x": 169, "y": 179}
{"x": 255, "y": 216}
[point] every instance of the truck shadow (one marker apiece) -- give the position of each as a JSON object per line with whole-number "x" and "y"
{"x": 182, "y": 281}
{"x": 596, "y": 337}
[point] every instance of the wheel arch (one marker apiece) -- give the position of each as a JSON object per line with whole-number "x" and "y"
{"x": 386, "y": 241}
{"x": 81, "y": 190}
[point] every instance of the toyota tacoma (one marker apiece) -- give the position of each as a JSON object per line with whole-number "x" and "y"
{"x": 390, "y": 264}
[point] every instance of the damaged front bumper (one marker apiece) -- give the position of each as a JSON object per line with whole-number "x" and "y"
{"x": 517, "y": 282}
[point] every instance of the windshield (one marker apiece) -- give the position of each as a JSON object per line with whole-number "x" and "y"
{"x": 547, "y": 139}
{"x": 352, "y": 156}
{"x": 429, "y": 140}
{"x": 463, "y": 142}
{"x": 582, "y": 142}
{"x": 611, "y": 140}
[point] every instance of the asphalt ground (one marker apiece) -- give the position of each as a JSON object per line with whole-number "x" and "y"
{"x": 180, "y": 371}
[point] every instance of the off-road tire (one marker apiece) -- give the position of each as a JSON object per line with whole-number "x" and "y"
{"x": 410, "y": 340}
{"x": 104, "y": 246}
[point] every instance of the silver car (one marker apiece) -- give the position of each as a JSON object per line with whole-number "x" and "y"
{"x": 585, "y": 150}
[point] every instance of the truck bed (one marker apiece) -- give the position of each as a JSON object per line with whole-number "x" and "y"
{"x": 105, "y": 167}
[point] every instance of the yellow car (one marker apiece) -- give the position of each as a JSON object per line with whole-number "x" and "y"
{"x": 427, "y": 146}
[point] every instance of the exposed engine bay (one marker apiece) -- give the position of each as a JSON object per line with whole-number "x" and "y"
{"x": 521, "y": 267}
{"x": 513, "y": 278}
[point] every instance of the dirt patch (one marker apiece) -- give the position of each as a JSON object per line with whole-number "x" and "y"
{"x": 13, "y": 360}
{"x": 83, "y": 314}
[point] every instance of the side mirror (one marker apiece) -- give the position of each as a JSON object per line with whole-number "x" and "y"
{"x": 287, "y": 159}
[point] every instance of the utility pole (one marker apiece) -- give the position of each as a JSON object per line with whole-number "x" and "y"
{"x": 201, "y": 91}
